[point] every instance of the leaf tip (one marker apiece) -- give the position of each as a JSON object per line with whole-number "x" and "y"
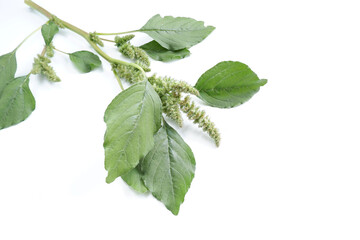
{"x": 212, "y": 28}
{"x": 109, "y": 179}
{"x": 263, "y": 82}
{"x": 174, "y": 209}
{"x": 175, "y": 212}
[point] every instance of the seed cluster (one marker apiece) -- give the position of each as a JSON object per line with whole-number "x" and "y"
{"x": 199, "y": 117}
{"x": 41, "y": 66}
{"x": 170, "y": 92}
{"x": 132, "y": 52}
{"x": 129, "y": 73}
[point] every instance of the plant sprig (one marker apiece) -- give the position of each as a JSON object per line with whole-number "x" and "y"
{"x": 140, "y": 146}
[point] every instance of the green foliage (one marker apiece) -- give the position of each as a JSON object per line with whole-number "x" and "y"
{"x": 140, "y": 146}
{"x": 48, "y": 31}
{"x": 16, "y": 102}
{"x": 168, "y": 168}
{"x": 159, "y": 53}
{"x": 132, "y": 119}
{"x": 7, "y": 69}
{"x": 85, "y": 61}
{"x": 134, "y": 179}
{"x": 228, "y": 84}
{"x": 176, "y": 33}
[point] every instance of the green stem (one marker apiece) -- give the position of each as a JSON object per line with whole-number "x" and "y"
{"x": 107, "y": 40}
{"x": 43, "y": 51}
{"x": 84, "y": 35}
{"x": 118, "y": 33}
{"x": 27, "y": 38}
{"x": 61, "y": 51}
{"x": 118, "y": 79}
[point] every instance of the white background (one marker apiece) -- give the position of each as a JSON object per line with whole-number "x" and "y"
{"x": 288, "y": 165}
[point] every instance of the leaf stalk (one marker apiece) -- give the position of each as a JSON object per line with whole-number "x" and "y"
{"x": 32, "y": 33}
{"x": 61, "y": 51}
{"x": 118, "y": 33}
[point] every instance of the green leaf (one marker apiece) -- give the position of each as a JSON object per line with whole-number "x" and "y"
{"x": 228, "y": 84}
{"x": 134, "y": 179}
{"x": 158, "y": 52}
{"x": 48, "y": 31}
{"x": 176, "y": 33}
{"x": 7, "y": 69}
{"x": 16, "y": 102}
{"x": 169, "y": 168}
{"x": 85, "y": 61}
{"x": 132, "y": 119}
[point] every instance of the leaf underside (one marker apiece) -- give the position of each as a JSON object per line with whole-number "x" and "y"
{"x": 132, "y": 119}
{"x": 228, "y": 84}
{"x": 168, "y": 168}
{"x": 159, "y": 53}
{"x": 85, "y": 61}
{"x": 134, "y": 179}
{"x": 176, "y": 33}
{"x": 16, "y": 102}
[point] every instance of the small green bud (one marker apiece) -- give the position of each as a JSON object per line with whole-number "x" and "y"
{"x": 119, "y": 41}
{"x": 95, "y": 38}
